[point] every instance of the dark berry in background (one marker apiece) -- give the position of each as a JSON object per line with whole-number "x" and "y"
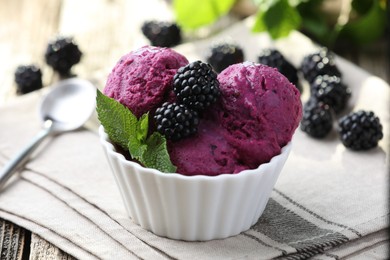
{"x": 273, "y": 58}
{"x": 176, "y": 121}
{"x": 224, "y": 55}
{"x": 28, "y": 78}
{"x": 162, "y": 34}
{"x": 62, "y": 53}
{"x": 319, "y": 63}
{"x": 330, "y": 90}
{"x": 196, "y": 85}
{"x": 317, "y": 119}
{"x": 360, "y": 130}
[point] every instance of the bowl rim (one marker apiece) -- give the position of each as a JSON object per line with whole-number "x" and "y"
{"x": 104, "y": 139}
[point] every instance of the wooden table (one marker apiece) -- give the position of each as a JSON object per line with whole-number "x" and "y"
{"x": 104, "y": 30}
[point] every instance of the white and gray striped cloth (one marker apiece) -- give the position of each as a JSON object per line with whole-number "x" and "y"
{"x": 329, "y": 202}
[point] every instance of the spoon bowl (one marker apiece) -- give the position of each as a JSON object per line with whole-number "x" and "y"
{"x": 68, "y": 105}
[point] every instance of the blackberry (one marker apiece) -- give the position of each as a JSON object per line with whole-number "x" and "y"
{"x": 330, "y": 90}
{"x": 28, "y": 78}
{"x": 317, "y": 119}
{"x": 360, "y": 130}
{"x": 162, "y": 34}
{"x": 224, "y": 55}
{"x": 62, "y": 53}
{"x": 196, "y": 85}
{"x": 319, "y": 63}
{"x": 176, "y": 121}
{"x": 273, "y": 58}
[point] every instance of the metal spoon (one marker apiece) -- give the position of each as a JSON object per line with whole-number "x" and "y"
{"x": 66, "y": 107}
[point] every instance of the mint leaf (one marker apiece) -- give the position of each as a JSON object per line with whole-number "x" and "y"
{"x": 136, "y": 148}
{"x": 277, "y": 17}
{"x": 137, "y": 140}
{"x": 118, "y": 121}
{"x": 124, "y": 129}
{"x": 157, "y": 155}
{"x": 191, "y": 14}
{"x": 142, "y": 127}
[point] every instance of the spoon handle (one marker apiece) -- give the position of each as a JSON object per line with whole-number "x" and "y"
{"x": 14, "y": 164}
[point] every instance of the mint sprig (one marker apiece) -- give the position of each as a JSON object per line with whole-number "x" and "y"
{"x": 124, "y": 129}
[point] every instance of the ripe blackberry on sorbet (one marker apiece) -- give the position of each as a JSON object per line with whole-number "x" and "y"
{"x": 62, "y": 53}
{"x": 28, "y": 78}
{"x": 317, "y": 119}
{"x": 225, "y": 54}
{"x": 273, "y": 58}
{"x": 176, "y": 121}
{"x": 330, "y": 90}
{"x": 162, "y": 34}
{"x": 360, "y": 130}
{"x": 319, "y": 63}
{"x": 196, "y": 85}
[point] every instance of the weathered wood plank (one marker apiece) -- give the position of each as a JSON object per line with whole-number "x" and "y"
{"x": 12, "y": 241}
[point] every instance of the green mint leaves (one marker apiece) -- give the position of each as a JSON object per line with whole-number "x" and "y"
{"x": 365, "y": 23}
{"x": 124, "y": 129}
{"x": 362, "y": 22}
{"x": 118, "y": 122}
{"x": 191, "y": 14}
{"x": 278, "y": 17}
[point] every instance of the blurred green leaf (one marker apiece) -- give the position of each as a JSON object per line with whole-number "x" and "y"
{"x": 314, "y": 22}
{"x": 368, "y": 27}
{"x": 280, "y": 17}
{"x": 316, "y": 27}
{"x": 277, "y": 17}
{"x": 191, "y": 14}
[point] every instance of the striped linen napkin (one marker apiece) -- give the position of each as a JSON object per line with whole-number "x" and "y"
{"x": 328, "y": 203}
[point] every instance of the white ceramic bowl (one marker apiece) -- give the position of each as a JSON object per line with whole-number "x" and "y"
{"x": 193, "y": 207}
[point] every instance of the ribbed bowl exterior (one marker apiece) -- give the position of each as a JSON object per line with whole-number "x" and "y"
{"x": 193, "y": 208}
